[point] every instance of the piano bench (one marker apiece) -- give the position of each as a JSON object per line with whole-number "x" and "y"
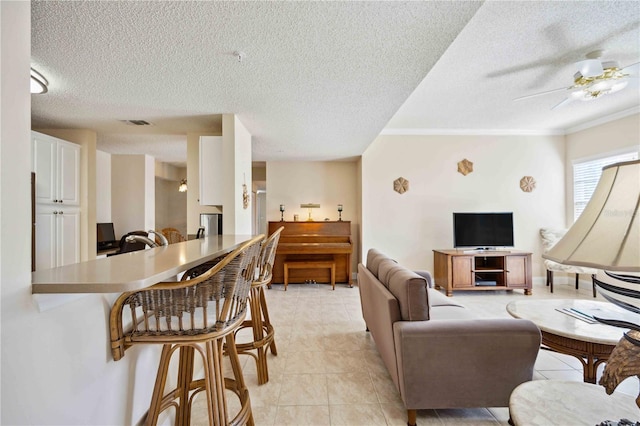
{"x": 310, "y": 264}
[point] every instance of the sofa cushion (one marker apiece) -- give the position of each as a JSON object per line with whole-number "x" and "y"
{"x": 374, "y": 257}
{"x": 385, "y": 269}
{"x": 411, "y": 291}
{"x": 450, "y": 312}
{"x": 438, "y": 299}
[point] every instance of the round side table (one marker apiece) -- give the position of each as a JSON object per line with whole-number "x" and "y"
{"x": 555, "y": 402}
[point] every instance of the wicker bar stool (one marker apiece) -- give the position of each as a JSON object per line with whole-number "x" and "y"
{"x": 173, "y": 235}
{"x": 263, "y": 332}
{"x": 197, "y": 315}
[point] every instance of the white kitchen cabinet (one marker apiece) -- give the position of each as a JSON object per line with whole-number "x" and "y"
{"x": 211, "y": 173}
{"x": 56, "y": 163}
{"x": 57, "y": 236}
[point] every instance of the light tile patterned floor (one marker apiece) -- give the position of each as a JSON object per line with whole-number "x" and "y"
{"x": 328, "y": 371}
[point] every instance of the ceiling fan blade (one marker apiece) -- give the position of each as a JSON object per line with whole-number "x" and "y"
{"x": 629, "y": 66}
{"x": 540, "y": 94}
{"x": 590, "y": 68}
{"x": 561, "y": 104}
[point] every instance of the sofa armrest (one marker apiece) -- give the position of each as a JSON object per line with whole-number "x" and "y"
{"x": 463, "y": 363}
{"x": 426, "y": 275}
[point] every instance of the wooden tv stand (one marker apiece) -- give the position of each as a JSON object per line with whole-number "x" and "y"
{"x": 482, "y": 270}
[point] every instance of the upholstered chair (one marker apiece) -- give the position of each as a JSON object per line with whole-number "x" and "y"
{"x": 550, "y": 237}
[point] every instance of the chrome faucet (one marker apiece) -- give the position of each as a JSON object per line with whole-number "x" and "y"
{"x": 141, "y": 239}
{"x": 160, "y": 236}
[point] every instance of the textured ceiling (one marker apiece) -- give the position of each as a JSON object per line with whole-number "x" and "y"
{"x": 319, "y": 80}
{"x": 512, "y": 49}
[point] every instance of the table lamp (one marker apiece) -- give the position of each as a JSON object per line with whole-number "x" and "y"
{"x": 606, "y": 236}
{"x": 310, "y": 206}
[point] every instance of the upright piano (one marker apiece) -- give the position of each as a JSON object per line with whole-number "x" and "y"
{"x": 313, "y": 241}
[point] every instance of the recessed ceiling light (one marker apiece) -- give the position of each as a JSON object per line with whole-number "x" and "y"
{"x": 39, "y": 84}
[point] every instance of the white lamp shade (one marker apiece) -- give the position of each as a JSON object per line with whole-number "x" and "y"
{"x": 607, "y": 233}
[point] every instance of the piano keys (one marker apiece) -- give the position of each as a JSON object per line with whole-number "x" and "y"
{"x": 309, "y": 241}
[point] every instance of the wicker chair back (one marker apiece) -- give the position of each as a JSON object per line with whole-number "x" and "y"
{"x": 208, "y": 306}
{"x": 173, "y": 235}
{"x": 268, "y": 256}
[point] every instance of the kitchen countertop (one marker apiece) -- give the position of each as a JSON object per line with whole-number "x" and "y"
{"x": 134, "y": 270}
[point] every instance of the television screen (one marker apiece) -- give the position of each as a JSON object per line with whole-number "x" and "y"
{"x": 105, "y": 233}
{"x": 483, "y": 230}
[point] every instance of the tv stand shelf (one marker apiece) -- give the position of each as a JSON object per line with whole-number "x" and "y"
{"x": 486, "y": 270}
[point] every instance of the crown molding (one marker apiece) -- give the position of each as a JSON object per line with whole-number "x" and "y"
{"x": 603, "y": 120}
{"x": 470, "y": 132}
{"x": 510, "y": 132}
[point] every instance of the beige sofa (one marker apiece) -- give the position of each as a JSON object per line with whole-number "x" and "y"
{"x": 439, "y": 354}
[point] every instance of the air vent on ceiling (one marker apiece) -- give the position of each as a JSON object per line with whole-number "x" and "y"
{"x": 137, "y": 122}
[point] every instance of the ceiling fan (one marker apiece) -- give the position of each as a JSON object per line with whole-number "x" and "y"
{"x": 593, "y": 79}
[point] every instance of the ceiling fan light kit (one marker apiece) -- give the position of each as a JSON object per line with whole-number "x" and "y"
{"x": 593, "y": 79}
{"x": 610, "y": 80}
{"x": 589, "y": 68}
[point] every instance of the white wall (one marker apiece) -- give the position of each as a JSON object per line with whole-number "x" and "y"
{"x": 236, "y": 150}
{"x": 408, "y": 227}
{"x": 327, "y": 183}
{"x": 612, "y": 137}
{"x": 17, "y": 315}
{"x": 171, "y": 206}
{"x": 103, "y": 187}
{"x": 132, "y": 193}
{"x": 56, "y": 365}
{"x": 149, "y": 193}
{"x": 193, "y": 183}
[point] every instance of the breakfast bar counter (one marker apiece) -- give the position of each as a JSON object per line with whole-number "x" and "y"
{"x": 133, "y": 270}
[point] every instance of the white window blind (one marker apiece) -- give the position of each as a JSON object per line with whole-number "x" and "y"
{"x": 586, "y": 175}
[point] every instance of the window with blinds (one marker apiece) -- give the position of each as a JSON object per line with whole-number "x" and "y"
{"x": 586, "y": 175}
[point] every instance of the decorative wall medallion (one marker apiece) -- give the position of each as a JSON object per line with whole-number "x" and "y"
{"x": 401, "y": 185}
{"x": 465, "y": 167}
{"x": 527, "y": 184}
{"x": 245, "y": 197}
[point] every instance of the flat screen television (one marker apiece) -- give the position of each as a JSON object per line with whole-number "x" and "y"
{"x": 483, "y": 230}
